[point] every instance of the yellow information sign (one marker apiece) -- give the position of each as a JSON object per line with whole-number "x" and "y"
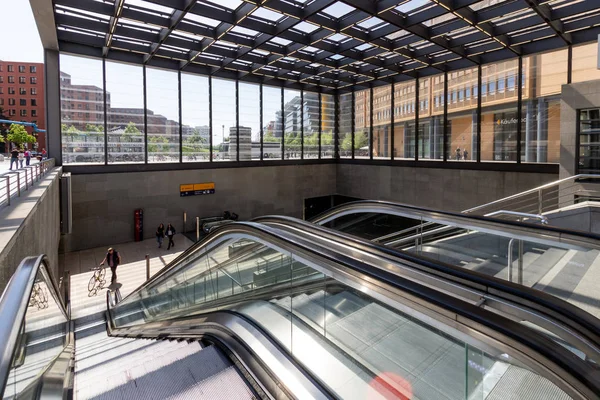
{"x": 193, "y": 189}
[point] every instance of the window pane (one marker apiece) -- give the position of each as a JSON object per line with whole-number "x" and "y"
{"x": 589, "y": 142}
{"x": 499, "y": 113}
{"x": 431, "y": 119}
{"x": 292, "y": 123}
{"x": 543, "y": 76}
{"x": 125, "y": 101}
{"x": 462, "y": 115}
{"x": 195, "y": 118}
{"x": 272, "y": 123}
{"x": 162, "y": 115}
{"x": 362, "y": 123}
{"x": 311, "y": 125}
{"x": 249, "y": 98}
{"x": 345, "y": 125}
{"x": 82, "y": 110}
{"x": 327, "y": 125}
{"x": 404, "y": 120}
{"x": 224, "y": 126}
{"x": 382, "y": 122}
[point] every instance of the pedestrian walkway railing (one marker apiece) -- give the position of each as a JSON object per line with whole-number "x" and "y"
{"x": 17, "y": 182}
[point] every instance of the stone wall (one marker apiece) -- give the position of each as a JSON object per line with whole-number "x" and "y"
{"x": 103, "y": 204}
{"x": 444, "y": 189}
{"x": 30, "y": 226}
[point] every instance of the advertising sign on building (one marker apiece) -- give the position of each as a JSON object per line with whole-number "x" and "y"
{"x": 195, "y": 189}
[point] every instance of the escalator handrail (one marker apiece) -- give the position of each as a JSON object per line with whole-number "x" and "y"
{"x": 577, "y": 319}
{"x": 573, "y": 178}
{"x": 13, "y": 308}
{"x": 539, "y": 352}
{"x": 521, "y": 230}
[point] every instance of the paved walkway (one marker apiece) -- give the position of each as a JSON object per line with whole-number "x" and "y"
{"x": 131, "y": 273}
{"x": 5, "y": 165}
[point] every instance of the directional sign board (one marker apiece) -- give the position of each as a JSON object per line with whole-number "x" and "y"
{"x": 195, "y": 189}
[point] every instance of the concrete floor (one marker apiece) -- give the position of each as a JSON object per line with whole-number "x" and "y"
{"x": 131, "y": 273}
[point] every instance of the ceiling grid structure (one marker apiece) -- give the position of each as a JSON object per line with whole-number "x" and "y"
{"x": 321, "y": 45}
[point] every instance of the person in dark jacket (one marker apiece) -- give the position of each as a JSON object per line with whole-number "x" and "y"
{"x": 14, "y": 158}
{"x": 113, "y": 258}
{"x": 160, "y": 234}
{"x": 170, "y": 234}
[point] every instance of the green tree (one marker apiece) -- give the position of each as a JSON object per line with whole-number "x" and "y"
{"x": 153, "y": 147}
{"x": 131, "y": 128}
{"x": 69, "y": 131}
{"x": 361, "y": 140}
{"x": 129, "y": 132}
{"x": 327, "y": 138}
{"x": 347, "y": 143}
{"x": 19, "y": 136}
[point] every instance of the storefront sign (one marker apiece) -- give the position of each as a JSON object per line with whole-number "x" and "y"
{"x": 194, "y": 189}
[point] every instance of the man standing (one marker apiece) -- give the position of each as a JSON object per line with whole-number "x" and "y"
{"x": 14, "y": 158}
{"x": 170, "y": 234}
{"x": 114, "y": 259}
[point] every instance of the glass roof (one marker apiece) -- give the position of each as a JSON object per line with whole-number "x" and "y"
{"x": 323, "y": 42}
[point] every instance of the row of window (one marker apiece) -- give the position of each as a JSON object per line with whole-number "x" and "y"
{"x": 22, "y": 79}
{"x": 22, "y": 102}
{"x": 23, "y": 113}
{"x": 22, "y": 91}
{"x": 22, "y": 68}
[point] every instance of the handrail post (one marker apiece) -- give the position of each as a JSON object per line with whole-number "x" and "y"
{"x": 184, "y": 220}
{"x": 7, "y": 190}
{"x": 520, "y": 264}
{"x": 510, "y": 259}
{"x": 147, "y": 267}
{"x": 197, "y": 229}
{"x": 540, "y": 201}
{"x": 18, "y": 184}
{"x": 26, "y": 185}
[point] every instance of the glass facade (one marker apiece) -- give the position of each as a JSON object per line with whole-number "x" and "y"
{"x": 117, "y": 113}
{"x": 162, "y": 115}
{"x": 589, "y": 142}
{"x": 82, "y": 110}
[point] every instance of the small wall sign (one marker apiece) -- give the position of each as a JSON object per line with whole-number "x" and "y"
{"x": 195, "y": 189}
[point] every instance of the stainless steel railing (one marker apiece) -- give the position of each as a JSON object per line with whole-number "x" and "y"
{"x": 17, "y": 182}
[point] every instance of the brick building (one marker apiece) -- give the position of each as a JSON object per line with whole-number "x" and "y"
{"x": 22, "y": 95}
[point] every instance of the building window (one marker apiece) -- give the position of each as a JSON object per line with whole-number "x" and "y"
{"x": 22, "y": 91}
{"x": 589, "y": 141}
{"x": 34, "y": 102}
{"x": 12, "y": 112}
{"x": 1, "y": 101}
{"x": 1, "y": 90}
{"x": 11, "y": 79}
{"x": 33, "y": 91}
{"x": 34, "y": 113}
{"x": 33, "y": 69}
{"x": 33, "y": 80}
{"x": 11, "y": 68}
{"x": 21, "y": 68}
{"x": 22, "y": 102}
{"x": 22, "y": 79}
{"x": 1, "y": 79}
{"x": 1, "y": 68}
{"x": 23, "y": 113}
{"x": 11, "y": 90}
{"x": 11, "y": 102}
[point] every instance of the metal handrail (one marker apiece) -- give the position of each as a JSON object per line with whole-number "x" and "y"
{"x": 560, "y": 310}
{"x": 534, "y": 190}
{"x": 13, "y": 308}
{"x": 525, "y": 344}
{"x": 12, "y": 189}
{"x": 545, "y": 234}
{"x": 542, "y": 218}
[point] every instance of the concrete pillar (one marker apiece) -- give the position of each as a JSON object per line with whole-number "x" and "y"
{"x": 542, "y": 129}
{"x": 529, "y": 132}
{"x": 52, "y": 81}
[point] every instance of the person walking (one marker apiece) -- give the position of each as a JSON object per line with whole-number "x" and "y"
{"x": 160, "y": 234}
{"x": 14, "y": 158}
{"x": 21, "y": 158}
{"x": 27, "y": 157}
{"x": 170, "y": 234}
{"x": 44, "y": 153}
{"x": 457, "y": 153}
{"x": 114, "y": 259}
{"x": 465, "y": 155}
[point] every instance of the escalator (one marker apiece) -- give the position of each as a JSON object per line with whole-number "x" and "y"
{"x": 276, "y": 310}
{"x": 563, "y": 263}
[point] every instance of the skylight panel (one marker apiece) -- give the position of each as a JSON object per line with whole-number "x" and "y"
{"x": 202, "y": 20}
{"x": 230, "y": 4}
{"x": 306, "y": 27}
{"x": 245, "y": 31}
{"x": 338, "y": 10}
{"x": 411, "y": 6}
{"x": 280, "y": 41}
{"x": 150, "y": 6}
{"x": 371, "y": 22}
{"x": 338, "y": 37}
{"x": 364, "y": 46}
{"x": 267, "y": 14}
